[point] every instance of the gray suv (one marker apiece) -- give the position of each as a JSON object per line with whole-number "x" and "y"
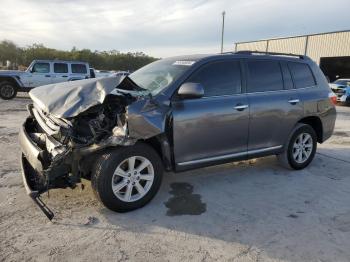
{"x": 175, "y": 114}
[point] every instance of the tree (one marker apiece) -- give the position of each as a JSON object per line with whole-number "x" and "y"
{"x": 106, "y": 60}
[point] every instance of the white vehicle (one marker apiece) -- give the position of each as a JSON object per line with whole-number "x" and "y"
{"x": 341, "y": 88}
{"x": 103, "y": 73}
{"x": 41, "y": 72}
{"x": 121, "y": 73}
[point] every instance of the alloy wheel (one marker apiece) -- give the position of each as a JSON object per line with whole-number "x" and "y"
{"x": 7, "y": 91}
{"x": 302, "y": 148}
{"x": 133, "y": 178}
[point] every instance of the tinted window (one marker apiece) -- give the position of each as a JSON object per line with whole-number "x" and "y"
{"x": 302, "y": 75}
{"x": 41, "y": 68}
{"x": 79, "y": 69}
{"x": 219, "y": 78}
{"x": 264, "y": 76}
{"x": 60, "y": 68}
{"x": 288, "y": 82}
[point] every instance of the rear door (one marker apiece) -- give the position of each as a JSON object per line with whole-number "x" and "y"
{"x": 215, "y": 126}
{"x": 275, "y": 106}
{"x": 60, "y": 72}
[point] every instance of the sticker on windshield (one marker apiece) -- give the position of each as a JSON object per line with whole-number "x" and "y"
{"x": 184, "y": 63}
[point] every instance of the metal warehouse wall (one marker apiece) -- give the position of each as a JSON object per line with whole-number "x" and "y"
{"x": 316, "y": 46}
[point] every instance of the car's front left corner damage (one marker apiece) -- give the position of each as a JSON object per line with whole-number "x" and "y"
{"x": 57, "y": 152}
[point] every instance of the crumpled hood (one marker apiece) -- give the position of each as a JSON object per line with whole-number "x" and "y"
{"x": 69, "y": 99}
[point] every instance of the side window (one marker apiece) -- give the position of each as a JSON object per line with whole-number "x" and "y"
{"x": 264, "y": 75}
{"x": 302, "y": 75}
{"x": 41, "y": 68}
{"x": 60, "y": 68}
{"x": 288, "y": 82}
{"x": 79, "y": 69}
{"x": 219, "y": 78}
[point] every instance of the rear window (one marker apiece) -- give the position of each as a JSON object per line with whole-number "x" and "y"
{"x": 302, "y": 75}
{"x": 79, "y": 69}
{"x": 60, "y": 68}
{"x": 264, "y": 76}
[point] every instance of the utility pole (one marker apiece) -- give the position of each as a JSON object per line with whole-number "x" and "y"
{"x": 222, "y": 32}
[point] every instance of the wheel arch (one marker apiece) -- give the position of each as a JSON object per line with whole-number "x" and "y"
{"x": 162, "y": 146}
{"x": 10, "y": 79}
{"x": 316, "y": 123}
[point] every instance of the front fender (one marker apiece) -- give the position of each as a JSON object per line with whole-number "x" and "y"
{"x": 15, "y": 79}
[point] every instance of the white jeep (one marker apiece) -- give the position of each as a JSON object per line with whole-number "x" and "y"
{"x": 39, "y": 73}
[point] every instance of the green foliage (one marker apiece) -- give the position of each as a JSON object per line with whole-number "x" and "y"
{"x": 107, "y": 60}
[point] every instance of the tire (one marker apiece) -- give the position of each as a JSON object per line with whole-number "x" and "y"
{"x": 7, "y": 90}
{"x": 287, "y": 157}
{"x": 104, "y": 180}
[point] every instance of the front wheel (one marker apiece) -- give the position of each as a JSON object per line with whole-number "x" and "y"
{"x": 127, "y": 178}
{"x": 7, "y": 90}
{"x": 300, "y": 149}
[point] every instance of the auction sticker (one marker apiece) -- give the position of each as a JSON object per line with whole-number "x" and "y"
{"x": 184, "y": 63}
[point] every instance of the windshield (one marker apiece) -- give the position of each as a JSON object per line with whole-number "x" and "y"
{"x": 342, "y": 82}
{"x": 160, "y": 74}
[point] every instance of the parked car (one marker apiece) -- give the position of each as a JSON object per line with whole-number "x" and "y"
{"x": 41, "y": 72}
{"x": 121, "y": 73}
{"x": 103, "y": 73}
{"x": 92, "y": 72}
{"x": 341, "y": 87}
{"x": 175, "y": 114}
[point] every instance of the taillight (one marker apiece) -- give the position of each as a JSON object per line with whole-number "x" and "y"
{"x": 332, "y": 97}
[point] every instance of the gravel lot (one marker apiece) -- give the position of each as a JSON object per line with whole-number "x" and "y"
{"x": 247, "y": 211}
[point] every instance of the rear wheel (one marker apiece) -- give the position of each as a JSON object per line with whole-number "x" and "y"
{"x": 127, "y": 178}
{"x": 7, "y": 90}
{"x": 300, "y": 149}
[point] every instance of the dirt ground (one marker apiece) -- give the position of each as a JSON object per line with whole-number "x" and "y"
{"x": 247, "y": 211}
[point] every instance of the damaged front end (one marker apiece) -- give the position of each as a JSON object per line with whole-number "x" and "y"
{"x": 58, "y": 150}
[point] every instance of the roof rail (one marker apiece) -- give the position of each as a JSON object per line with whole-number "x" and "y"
{"x": 248, "y": 52}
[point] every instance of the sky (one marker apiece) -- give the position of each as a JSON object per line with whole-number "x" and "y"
{"x": 163, "y": 28}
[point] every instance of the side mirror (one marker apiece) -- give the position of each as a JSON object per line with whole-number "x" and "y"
{"x": 191, "y": 90}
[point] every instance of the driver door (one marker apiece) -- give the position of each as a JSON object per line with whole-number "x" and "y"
{"x": 39, "y": 75}
{"x": 213, "y": 128}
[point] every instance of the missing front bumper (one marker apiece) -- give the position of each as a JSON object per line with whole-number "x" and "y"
{"x": 36, "y": 178}
{"x": 34, "y": 194}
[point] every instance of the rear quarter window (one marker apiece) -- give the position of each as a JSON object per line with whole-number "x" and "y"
{"x": 302, "y": 75}
{"x": 79, "y": 69}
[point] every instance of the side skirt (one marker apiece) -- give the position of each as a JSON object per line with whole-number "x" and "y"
{"x": 216, "y": 160}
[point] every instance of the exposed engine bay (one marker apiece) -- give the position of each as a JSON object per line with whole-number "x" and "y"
{"x": 67, "y": 133}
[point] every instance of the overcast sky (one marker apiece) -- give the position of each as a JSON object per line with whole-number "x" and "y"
{"x": 164, "y": 28}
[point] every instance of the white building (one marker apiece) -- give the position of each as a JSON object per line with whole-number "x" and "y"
{"x": 330, "y": 50}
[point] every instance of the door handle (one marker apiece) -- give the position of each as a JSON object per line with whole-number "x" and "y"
{"x": 293, "y": 101}
{"x": 47, "y": 76}
{"x": 64, "y": 76}
{"x": 240, "y": 107}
